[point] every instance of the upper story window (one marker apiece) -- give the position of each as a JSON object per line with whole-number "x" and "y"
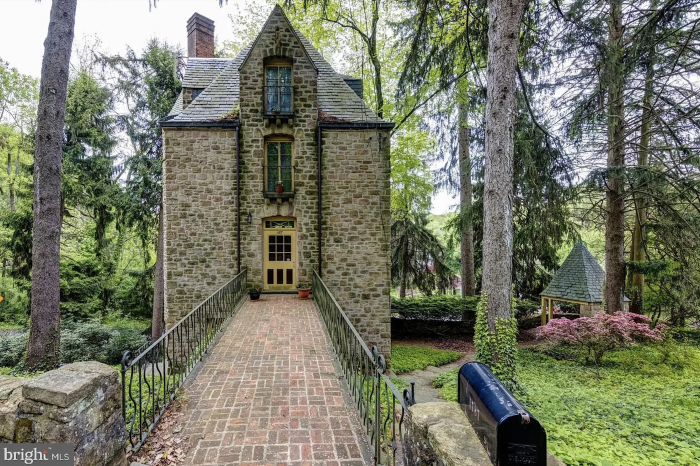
{"x": 279, "y": 169}
{"x": 278, "y": 89}
{"x": 196, "y": 91}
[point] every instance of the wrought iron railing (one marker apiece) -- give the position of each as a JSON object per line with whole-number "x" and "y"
{"x": 152, "y": 378}
{"x": 381, "y": 407}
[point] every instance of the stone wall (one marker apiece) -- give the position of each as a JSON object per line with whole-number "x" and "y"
{"x": 440, "y": 434}
{"x": 255, "y": 129}
{"x": 79, "y": 403}
{"x": 199, "y": 207}
{"x": 356, "y": 236}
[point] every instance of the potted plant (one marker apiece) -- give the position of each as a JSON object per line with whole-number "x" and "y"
{"x": 279, "y": 186}
{"x": 254, "y": 292}
{"x": 304, "y": 287}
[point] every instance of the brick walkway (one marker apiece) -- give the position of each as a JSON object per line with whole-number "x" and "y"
{"x": 268, "y": 393}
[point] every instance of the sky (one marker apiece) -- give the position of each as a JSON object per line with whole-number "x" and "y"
{"x": 118, "y": 23}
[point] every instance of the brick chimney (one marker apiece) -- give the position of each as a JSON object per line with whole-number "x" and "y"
{"x": 200, "y": 37}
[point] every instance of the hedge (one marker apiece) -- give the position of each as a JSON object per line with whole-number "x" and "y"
{"x": 451, "y": 307}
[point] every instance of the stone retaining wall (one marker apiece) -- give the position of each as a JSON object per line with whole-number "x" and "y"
{"x": 79, "y": 403}
{"x": 439, "y": 434}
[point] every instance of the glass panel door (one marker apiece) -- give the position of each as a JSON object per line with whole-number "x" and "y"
{"x": 279, "y": 261}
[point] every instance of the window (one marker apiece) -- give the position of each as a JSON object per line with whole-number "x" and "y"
{"x": 196, "y": 91}
{"x": 278, "y": 90}
{"x": 279, "y": 166}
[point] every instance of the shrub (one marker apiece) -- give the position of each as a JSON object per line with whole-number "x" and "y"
{"x": 602, "y": 332}
{"x": 405, "y": 358}
{"x": 687, "y": 335}
{"x": 12, "y": 348}
{"x": 126, "y": 339}
{"x": 441, "y": 307}
{"x": 85, "y": 342}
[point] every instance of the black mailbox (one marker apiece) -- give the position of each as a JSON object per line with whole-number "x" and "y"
{"x": 510, "y": 434}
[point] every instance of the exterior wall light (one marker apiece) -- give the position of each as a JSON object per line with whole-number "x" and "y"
{"x": 250, "y": 218}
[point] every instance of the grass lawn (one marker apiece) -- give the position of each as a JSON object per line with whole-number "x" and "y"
{"x": 641, "y": 408}
{"x": 406, "y": 358}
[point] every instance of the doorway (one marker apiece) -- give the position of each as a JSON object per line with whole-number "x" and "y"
{"x": 279, "y": 253}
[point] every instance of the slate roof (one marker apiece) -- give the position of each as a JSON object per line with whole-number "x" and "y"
{"x": 580, "y": 278}
{"x": 337, "y": 102}
{"x": 200, "y": 72}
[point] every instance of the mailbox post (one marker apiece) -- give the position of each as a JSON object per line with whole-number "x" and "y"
{"x": 510, "y": 434}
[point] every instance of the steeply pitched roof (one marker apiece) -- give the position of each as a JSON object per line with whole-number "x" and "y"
{"x": 200, "y": 72}
{"x": 580, "y": 278}
{"x": 220, "y": 78}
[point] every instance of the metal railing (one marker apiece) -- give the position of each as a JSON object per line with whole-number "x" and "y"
{"x": 152, "y": 378}
{"x": 381, "y": 407}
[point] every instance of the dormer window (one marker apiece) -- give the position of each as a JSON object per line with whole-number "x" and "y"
{"x": 278, "y": 88}
{"x": 196, "y": 91}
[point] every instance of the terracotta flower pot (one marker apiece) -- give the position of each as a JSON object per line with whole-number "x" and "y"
{"x": 279, "y": 189}
{"x": 303, "y": 293}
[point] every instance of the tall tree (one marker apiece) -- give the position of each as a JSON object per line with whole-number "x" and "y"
{"x": 465, "y": 193}
{"x": 504, "y": 38}
{"x": 44, "y": 344}
{"x": 614, "y": 195}
{"x": 148, "y": 86}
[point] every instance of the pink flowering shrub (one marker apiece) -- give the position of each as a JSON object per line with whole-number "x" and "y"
{"x": 602, "y": 332}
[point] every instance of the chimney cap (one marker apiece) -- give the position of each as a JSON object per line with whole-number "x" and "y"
{"x": 198, "y": 21}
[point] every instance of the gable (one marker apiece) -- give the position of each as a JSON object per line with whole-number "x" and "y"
{"x": 218, "y": 103}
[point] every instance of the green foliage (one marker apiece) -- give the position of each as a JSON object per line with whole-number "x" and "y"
{"x": 417, "y": 257}
{"x": 406, "y": 358}
{"x": 687, "y": 335}
{"x": 12, "y": 348}
{"x": 439, "y": 307}
{"x": 496, "y": 348}
{"x": 93, "y": 340}
{"x": 125, "y": 339}
{"x": 639, "y": 408}
{"x": 447, "y": 383}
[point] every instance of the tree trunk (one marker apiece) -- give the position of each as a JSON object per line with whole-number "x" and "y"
{"x": 404, "y": 263}
{"x": 374, "y": 58}
{"x": 465, "y": 196}
{"x": 158, "y": 284}
{"x": 504, "y": 37}
{"x": 638, "y": 250}
{"x": 615, "y": 220}
{"x": 44, "y": 333}
{"x": 10, "y": 181}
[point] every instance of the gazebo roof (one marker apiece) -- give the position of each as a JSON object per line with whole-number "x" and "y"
{"x": 580, "y": 278}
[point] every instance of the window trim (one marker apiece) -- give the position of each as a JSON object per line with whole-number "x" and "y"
{"x": 278, "y": 63}
{"x": 278, "y": 140}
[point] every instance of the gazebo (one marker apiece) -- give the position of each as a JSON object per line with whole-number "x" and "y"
{"x": 579, "y": 280}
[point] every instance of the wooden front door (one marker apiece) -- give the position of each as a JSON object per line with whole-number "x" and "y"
{"x": 279, "y": 254}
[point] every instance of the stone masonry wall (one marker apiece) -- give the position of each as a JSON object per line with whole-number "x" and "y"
{"x": 356, "y": 237}
{"x": 79, "y": 403}
{"x": 199, "y": 202}
{"x": 254, "y": 131}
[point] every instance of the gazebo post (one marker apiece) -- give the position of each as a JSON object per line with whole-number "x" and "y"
{"x": 544, "y": 310}
{"x": 551, "y": 309}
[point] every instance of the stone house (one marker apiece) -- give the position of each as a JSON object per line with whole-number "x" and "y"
{"x": 276, "y": 114}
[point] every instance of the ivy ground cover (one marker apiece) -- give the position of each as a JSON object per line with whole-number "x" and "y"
{"x": 640, "y": 408}
{"x": 407, "y": 358}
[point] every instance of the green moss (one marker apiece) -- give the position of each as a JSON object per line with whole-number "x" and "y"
{"x": 405, "y": 358}
{"x": 639, "y": 408}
